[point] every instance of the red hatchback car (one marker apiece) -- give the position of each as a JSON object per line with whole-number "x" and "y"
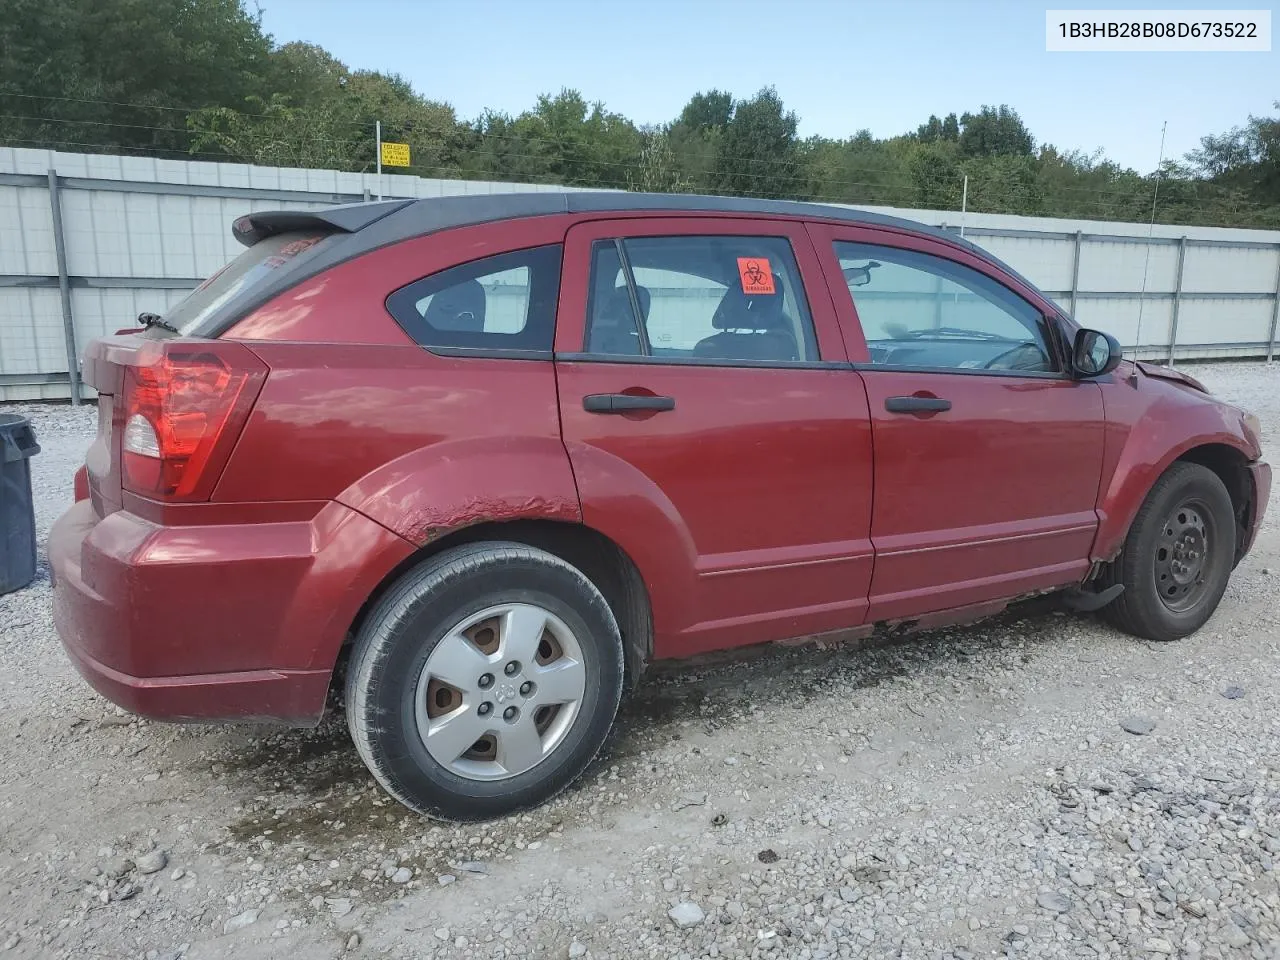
{"x": 504, "y": 451}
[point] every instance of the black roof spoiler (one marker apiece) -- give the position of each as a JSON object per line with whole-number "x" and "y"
{"x": 347, "y": 218}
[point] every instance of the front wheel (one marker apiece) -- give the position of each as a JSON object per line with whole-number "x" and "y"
{"x": 484, "y": 682}
{"x": 1177, "y": 556}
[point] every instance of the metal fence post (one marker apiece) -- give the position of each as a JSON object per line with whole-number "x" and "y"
{"x": 1275, "y": 311}
{"x": 64, "y": 287}
{"x": 1177, "y": 297}
{"x": 1075, "y": 273}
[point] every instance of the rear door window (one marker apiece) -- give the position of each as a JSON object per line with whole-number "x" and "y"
{"x": 699, "y": 298}
{"x": 502, "y": 303}
{"x": 264, "y": 260}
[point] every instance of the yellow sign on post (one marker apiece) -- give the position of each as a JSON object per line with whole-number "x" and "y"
{"x": 395, "y": 154}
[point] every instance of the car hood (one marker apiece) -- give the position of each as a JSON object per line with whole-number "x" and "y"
{"x": 1166, "y": 373}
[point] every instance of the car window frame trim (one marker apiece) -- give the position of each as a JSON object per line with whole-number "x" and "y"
{"x": 589, "y": 357}
{"x": 967, "y": 371}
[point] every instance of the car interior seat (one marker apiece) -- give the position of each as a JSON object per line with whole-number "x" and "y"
{"x": 752, "y": 326}
{"x": 460, "y": 307}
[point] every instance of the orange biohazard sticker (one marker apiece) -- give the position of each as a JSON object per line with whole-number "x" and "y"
{"x": 755, "y": 274}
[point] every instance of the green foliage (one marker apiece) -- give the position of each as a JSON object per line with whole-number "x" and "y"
{"x": 1245, "y": 159}
{"x": 936, "y": 178}
{"x": 935, "y": 129}
{"x": 274, "y": 134}
{"x": 1007, "y": 184}
{"x": 995, "y": 132}
{"x": 200, "y": 77}
{"x": 707, "y": 111}
{"x": 160, "y": 57}
{"x": 659, "y": 169}
{"x": 756, "y": 154}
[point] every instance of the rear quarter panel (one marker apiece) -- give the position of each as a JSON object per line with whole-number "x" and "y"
{"x": 355, "y": 411}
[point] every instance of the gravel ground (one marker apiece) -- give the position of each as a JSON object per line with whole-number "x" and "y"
{"x": 1037, "y": 786}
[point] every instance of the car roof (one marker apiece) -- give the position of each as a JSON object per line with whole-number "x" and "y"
{"x": 403, "y": 219}
{"x": 478, "y": 209}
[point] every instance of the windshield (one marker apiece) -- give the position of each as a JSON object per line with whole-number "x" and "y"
{"x": 247, "y": 271}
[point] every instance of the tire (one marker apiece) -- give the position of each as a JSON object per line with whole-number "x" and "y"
{"x": 416, "y": 687}
{"x": 1164, "y": 603}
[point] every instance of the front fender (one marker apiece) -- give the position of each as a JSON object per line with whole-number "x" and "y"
{"x": 432, "y": 490}
{"x": 1149, "y": 426}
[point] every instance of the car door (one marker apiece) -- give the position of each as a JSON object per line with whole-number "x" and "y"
{"x": 714, "y": 427}
{"x": 988, "y": 455}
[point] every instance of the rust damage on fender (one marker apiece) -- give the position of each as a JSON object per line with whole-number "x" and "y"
{"x": 426, "y": 525}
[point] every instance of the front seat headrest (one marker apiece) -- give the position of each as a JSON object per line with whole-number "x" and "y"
{"x": 750, "y": 311}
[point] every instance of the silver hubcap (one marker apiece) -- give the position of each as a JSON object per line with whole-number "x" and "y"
{"x": 500, "y": 692}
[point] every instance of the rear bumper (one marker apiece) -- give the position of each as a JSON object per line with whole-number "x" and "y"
{"x": 1260, "y": 473}
{"x": 220, "y": 622}
{"x": 292, "y": 697}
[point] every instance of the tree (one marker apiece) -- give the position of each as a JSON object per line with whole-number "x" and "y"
{"x": 199, "y": 77}
{"x": 658, "y": 171}
{"x": 328, "y": 120}
{"x": 936, "y": 179}
{"x": 429, "y": 127}
{"x": 1005, "y": 184}
{"x": 579, "y": 143}
{"x": 707, "y": 111}
{"x": 1245, "y": 158}
{"x": 993, "y": 132}
{"x": 756, "y": 154}
{"x": 935, "y": 129}
{"x": 120, "y": 74}
{"x": 305, "y": 73}
{"x": 694, "y": 137}
{"x": 276, "y": 134}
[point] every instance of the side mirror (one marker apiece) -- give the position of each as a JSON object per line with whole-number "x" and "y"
{"x": 1094, "y": 353}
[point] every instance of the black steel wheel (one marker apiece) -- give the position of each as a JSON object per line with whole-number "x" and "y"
{"x": 1183, "y": 555}
{"x": 1177, "y": 557}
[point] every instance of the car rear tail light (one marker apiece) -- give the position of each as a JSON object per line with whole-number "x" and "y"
{"x": 184, "y": 406}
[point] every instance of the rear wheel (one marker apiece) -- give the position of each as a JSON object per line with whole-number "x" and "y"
{"x": 484, "y": 681}
{"x": 1177, "y": 556}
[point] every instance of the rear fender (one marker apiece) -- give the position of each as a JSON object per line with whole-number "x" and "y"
{"x": 432, "y": 491}
{"x": 626, "y": 506}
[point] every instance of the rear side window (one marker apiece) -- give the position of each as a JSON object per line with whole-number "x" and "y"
{"x": 699, "y": 298}
{"x": 266, "y": 259}
{"x": 501, "y": 303}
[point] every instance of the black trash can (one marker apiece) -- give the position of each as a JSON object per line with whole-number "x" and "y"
{"x": 17, "y": 512}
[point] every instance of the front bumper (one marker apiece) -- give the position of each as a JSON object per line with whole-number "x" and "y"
{"x": 217, "y": 622}
{"x": 1260, "y": 474}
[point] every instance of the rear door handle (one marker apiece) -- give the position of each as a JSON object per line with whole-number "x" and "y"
{"x": 625, "y": 403}
{"x": 916, "y": 404}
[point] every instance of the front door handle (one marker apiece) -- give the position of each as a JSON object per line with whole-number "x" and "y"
{"x": 916, "y": 404}
{"x": 625, "y": 402}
